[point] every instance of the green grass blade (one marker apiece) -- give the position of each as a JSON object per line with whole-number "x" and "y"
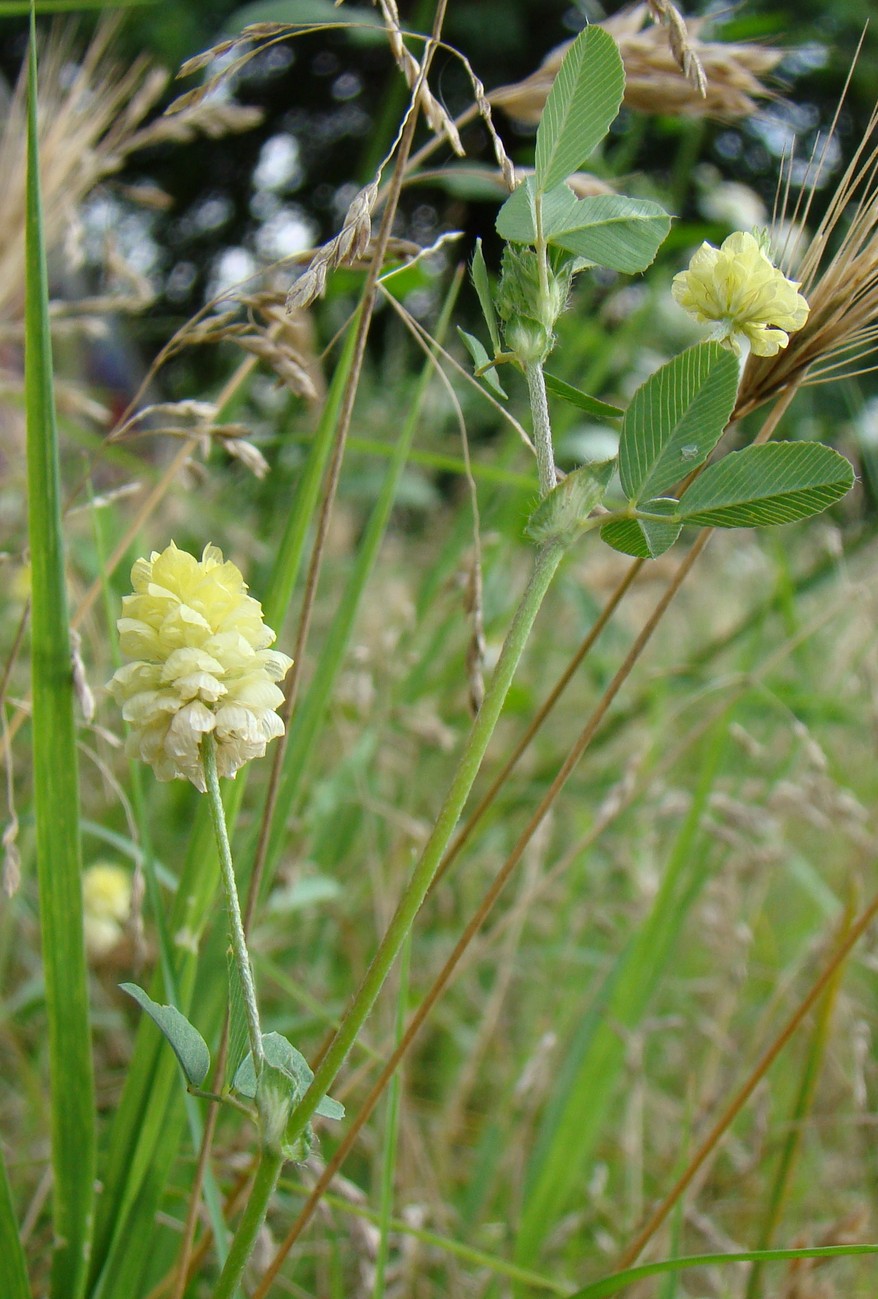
{"x": 56, "y": 785}
{"x": 15, "y": 1282}
{"x": 613, "y": 1284}
{"x": 588, "y": 1077}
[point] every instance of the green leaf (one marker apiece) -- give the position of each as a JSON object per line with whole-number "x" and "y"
{"x": 11, "y": 1252}
{"x": 762, "y": 486}
{"x": 517, "y": 219}
{"x": 675, "y": 419}
{"x": 644, "y": 538}
{"x": 563, "y": 513}
{"x": 188, "y": 1045}
{"x": 612, "y": 1285}
{"x": 483, "y": 289}
{"x": 583, "y": 101}
{"x": 591, "y": 405}
{"x": 55, "y": 771}
{"x": 282, "y": 1055}
{"x": 480, "y": 359}
{"x": 610, "y": 230}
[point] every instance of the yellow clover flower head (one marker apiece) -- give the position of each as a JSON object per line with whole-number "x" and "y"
{"x": 738, "y": 290}
{"x": 201, "y": 663}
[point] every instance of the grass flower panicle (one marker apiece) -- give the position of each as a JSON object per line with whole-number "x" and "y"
{"x": 200, "y": 664}
{"x": 738, "y": 289}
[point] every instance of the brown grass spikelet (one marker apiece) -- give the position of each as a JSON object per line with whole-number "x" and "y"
{"x": 722, "y": 80}
{"x": 838, "y": 270}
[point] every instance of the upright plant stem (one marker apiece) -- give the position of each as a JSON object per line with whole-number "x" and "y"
{"x": 539, "y": 404}
{"x": 270, "y": 1163}
{"x": 545, "y": 564}
{"x": 236, "y": 924}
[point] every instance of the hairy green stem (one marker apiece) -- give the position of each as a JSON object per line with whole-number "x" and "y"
{"x": 545, "y": 564}
{"x": 236, "y": 924}
{"x": 267, "y": 1174}
{"x": 539, "y": 404}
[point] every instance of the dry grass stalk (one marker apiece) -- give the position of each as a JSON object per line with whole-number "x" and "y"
{"x": 730, "y": 74}
{"x": 91, "y": 121}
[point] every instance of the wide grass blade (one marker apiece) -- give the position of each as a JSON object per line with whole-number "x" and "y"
{"x": 56, "y": 784}
{"x": 15, "y": 1283}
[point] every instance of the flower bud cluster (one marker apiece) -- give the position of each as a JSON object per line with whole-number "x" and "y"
{"x": 527, "y": 308}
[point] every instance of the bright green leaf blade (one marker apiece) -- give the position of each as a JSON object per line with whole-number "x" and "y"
{"x": 591, "y": 405}
{"x": 480, "y": 359}
{"x": 584, "y": 100}
{"x": 11, "y": 1253}
{"x": 482, "y": 286}
{"x": 762, "y": 486}
{"x": 644, "y": 538}
{"x": 56, "y": 784}
{"x": 675, "y": 419}
{"x": 517, "y": 218}
{"x": 187, "y": 1043}
{"x": 613, "y": 1284}
{"x": 612, "y": 230}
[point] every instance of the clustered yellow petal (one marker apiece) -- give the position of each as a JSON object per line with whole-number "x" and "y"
{"x": 201, "y": 664}
{"x": 745, "y": 297}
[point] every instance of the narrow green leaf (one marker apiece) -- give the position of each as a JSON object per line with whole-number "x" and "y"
{"x": 56, "y": 784}
{"x": 14, "y": 1267}
{"x": 644, "y": 538}
{"x": 480, "y": 359}
{"x": 187, "y": 1043}
{"x": 762, "y": 486}
{"x": 591, "y": 405}
{"x": 675, "y": 419}
{"x": 584, "y": 100}
{"x": 482, "y": 286}
{"x": 613, "y": 1284}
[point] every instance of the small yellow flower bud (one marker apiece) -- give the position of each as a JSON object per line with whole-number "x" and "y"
{"x": 737, "y": 288}
{"x": 201, "y": 664}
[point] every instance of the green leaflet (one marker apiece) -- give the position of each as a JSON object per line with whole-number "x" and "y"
{"x": 762, "y": 486}
{"x": 675, "y": 419}
{"x": 583, "y": 101}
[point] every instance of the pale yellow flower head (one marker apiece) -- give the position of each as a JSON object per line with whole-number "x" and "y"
{"x": 201, "y": 663}
{"x": 738, "y": 290}
{"x": 106, "y": 898}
